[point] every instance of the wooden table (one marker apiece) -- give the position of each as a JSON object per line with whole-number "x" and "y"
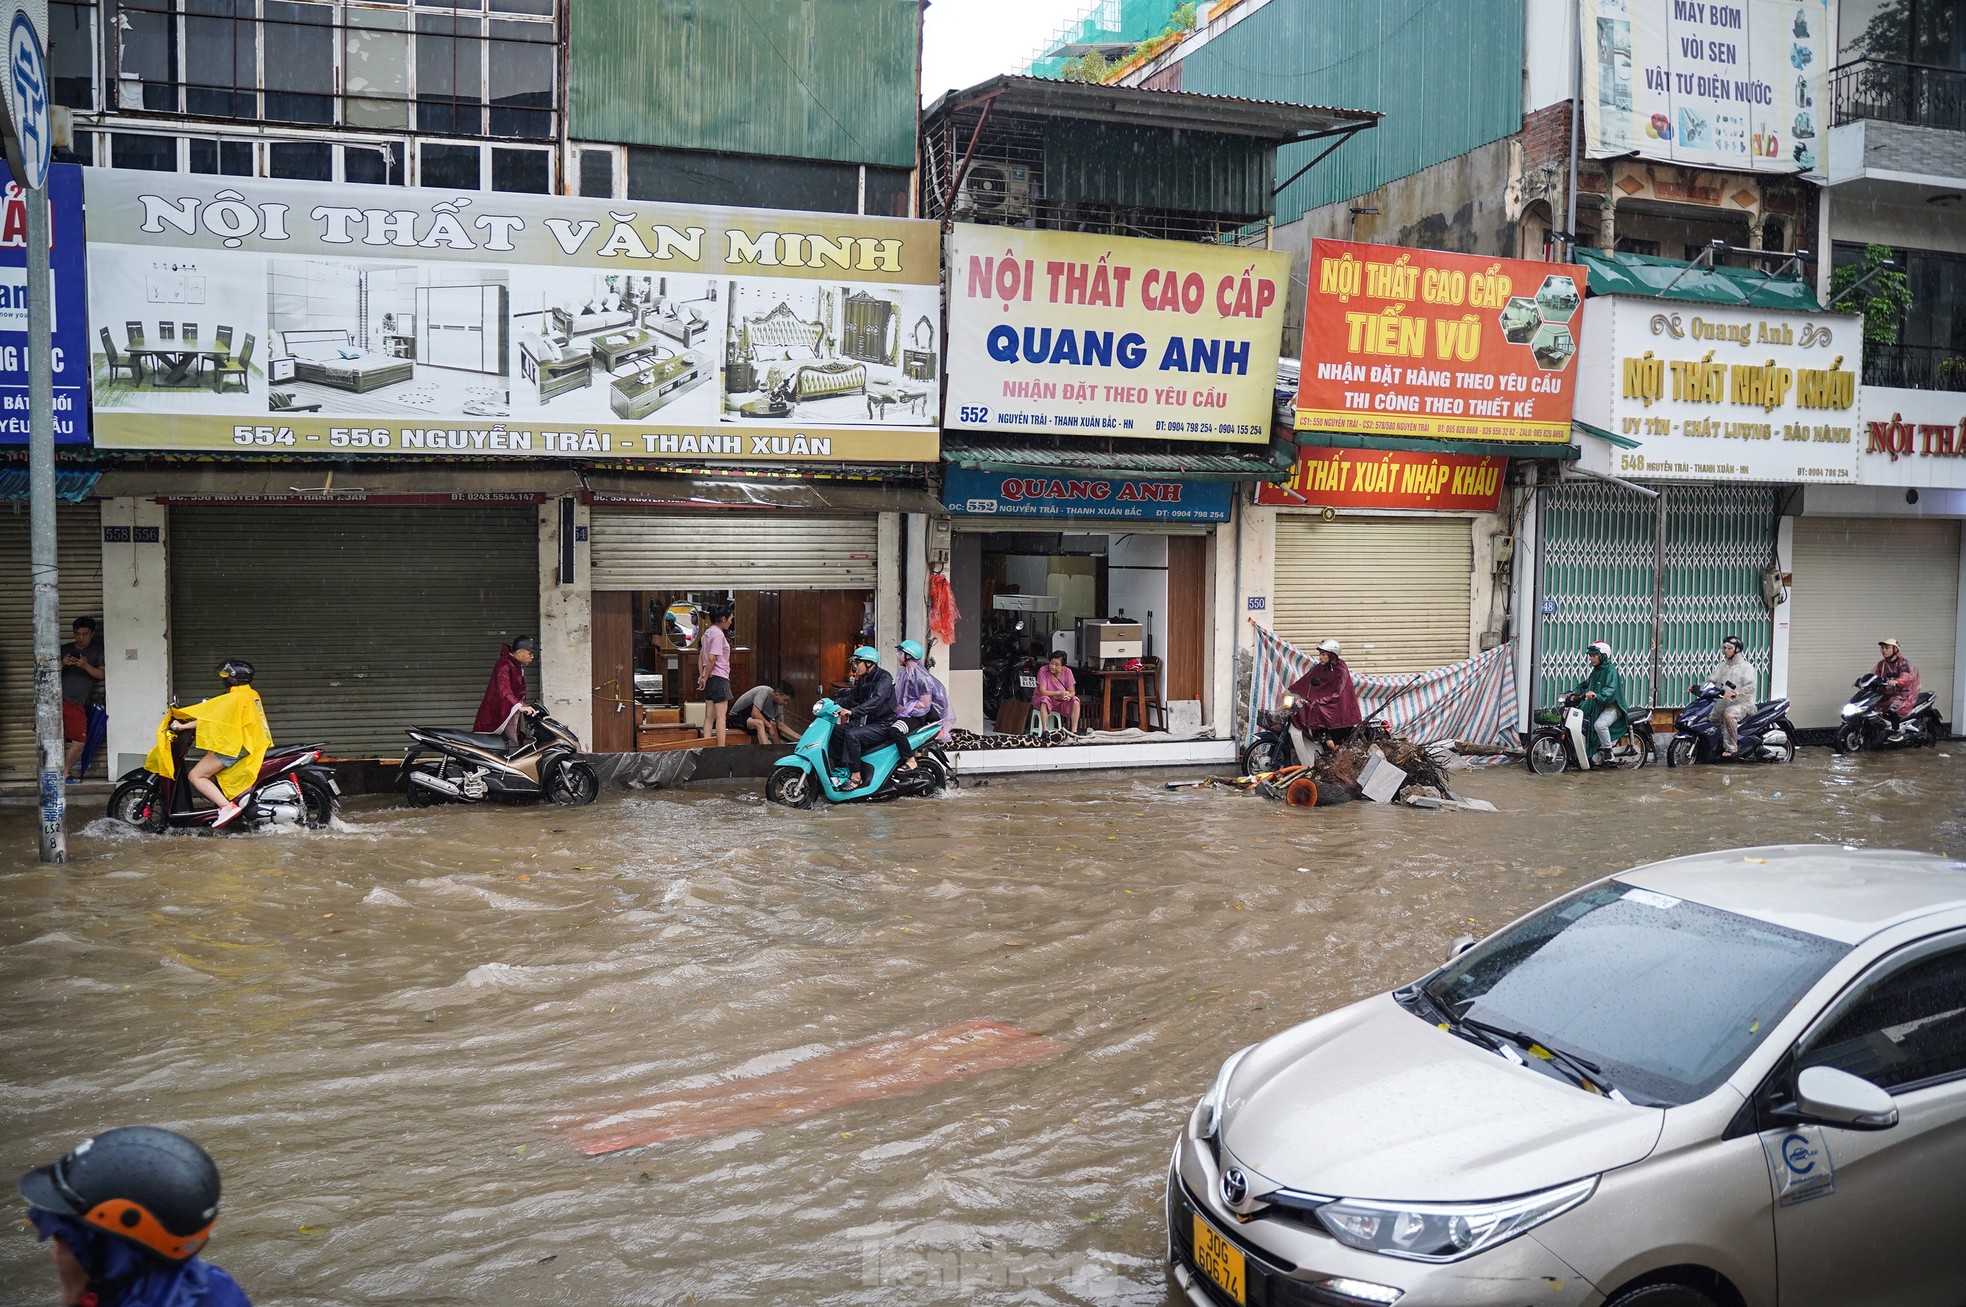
{"x": 1106, "y": 678}
{"x": 178, "y": 364}
{"x": 638, "y": 344}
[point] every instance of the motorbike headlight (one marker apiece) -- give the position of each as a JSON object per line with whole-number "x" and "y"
{"x": 1445, "y": 1232}
{"x": 1208, "y": 1112}
{"x": 1288, "y": 702}
{"x": 1853, "y": 710}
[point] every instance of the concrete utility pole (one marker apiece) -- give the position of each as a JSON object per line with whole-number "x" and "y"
{"x": 41, "y": 509}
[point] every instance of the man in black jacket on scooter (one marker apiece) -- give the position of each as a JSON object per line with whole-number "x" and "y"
{"x": 866, "y": 711}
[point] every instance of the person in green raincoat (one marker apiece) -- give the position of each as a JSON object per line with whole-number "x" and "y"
{"x": 1601, "y": 695}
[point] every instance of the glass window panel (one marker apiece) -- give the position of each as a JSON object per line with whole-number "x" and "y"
{"x": 299, "y": 62}
{"x": 375, "y": 69}
{"x": 221, "y": 56}
{"x": 1907, "y": 1029}
{"x": 530, "y": 171}
{"x": 204, "y": 155}
{"x": 451, "y": 4}
{"x": 1940, "y": 36}
{"x": 522, "y": 79}
{"x": 307, "y": 161}
{"x": 146, "y": 57}
{"x": 235, "y": 158}
{"x": 455, "y": 167}
{"x": 597, "y": 174}
{"x": 150, "y": 153}
{"x": 887, "y": 191}
{"x": 375, "y": 165}
{"x": 450, "y": 76}
{"x": 523, "y": 7}
{"x": 72, "y": 53}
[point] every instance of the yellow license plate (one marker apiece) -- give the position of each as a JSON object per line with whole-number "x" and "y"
{"x": 1219, "y": 1260}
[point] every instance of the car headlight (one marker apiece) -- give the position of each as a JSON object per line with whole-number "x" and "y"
{"x": 1208, "y": 1112}
{"x": 1852, "y": 709}
{"x": 1445, "y": 1232}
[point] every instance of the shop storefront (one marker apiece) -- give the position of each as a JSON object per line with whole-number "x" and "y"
{"x": 79, "y": 543}
{"x": 1882, "y": 559}
{"x": 1710, "y": 421}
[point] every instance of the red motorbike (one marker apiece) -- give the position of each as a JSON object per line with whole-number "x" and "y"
{"x": 294, "y": 789}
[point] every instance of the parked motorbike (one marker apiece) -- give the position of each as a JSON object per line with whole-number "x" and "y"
{"x": 1866, "y": 726}
{"x": 1562, "y": 738}
{"x": 808, "y": 777}
{"x": 294, "y": 789}
{"x": 1766, "y": 733}
{"x": 444, "y": 766}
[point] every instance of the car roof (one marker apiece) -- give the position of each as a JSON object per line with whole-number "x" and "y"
{"x": 1835, "y": 891}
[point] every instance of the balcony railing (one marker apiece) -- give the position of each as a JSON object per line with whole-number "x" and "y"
{"x": 1915, "y": 367}
{"x": 1887, "y": 91}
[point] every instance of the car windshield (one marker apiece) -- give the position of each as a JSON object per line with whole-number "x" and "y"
{"x": 1666, "y": 997}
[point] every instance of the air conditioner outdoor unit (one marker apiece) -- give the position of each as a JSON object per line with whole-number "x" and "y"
{"x": 994, "y": 191}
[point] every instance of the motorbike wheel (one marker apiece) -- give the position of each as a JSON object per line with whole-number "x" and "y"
{"x": 1643, "y": 741}
{"x": 1787, "y": 728}
{"x": 791, "y": 787}
{"x": 1849, "y": 738}
{"x": 1680, "y": 753}
{"x": 1932, "y": 731}
{"x": 1547, "y": 755}
{"x": 572, "y": 783}
{"x": 135, "y": 803}
{"x": 318, "y": 804}
{"x": 1259, "y": 757}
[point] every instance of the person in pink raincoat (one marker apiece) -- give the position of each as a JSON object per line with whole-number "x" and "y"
{"x": 1896, "y": 671}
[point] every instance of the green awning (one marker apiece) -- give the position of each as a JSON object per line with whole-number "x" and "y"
{"x": 1608, "y": 437}
{"x": 1274, "y": 463}
{"x": 1480, "y": 448}
{"x": 1641, "y": 274}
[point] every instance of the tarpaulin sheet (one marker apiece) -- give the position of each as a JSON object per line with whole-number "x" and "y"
{"x": 1473, "y": 700}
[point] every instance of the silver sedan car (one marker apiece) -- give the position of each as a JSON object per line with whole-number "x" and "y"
{"x": 1730, "y": 1080}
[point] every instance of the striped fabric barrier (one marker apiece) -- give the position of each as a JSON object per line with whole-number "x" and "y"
{"x": 1473, "y": 701}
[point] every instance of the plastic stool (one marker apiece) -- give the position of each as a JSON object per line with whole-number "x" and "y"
{"x": 1044, "y": 723}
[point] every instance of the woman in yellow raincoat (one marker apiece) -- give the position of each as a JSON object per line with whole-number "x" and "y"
{"x": 233, "y": 733}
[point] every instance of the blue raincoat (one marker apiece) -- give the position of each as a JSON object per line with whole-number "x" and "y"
{"x": 128, "y": 1276}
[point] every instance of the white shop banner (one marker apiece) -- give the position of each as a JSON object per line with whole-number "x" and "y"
{"x": 1717, "y": 393}
{"x": 1735, "y": 84}
{"x": 1913, "y": 438}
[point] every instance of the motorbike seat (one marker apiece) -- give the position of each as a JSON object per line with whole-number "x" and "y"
{"x": 1923, "y": 701}
{"x": 493, "y": 740}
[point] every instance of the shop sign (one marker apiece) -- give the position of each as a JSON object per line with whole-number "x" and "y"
{"x": 1438, "y": 346}
{"x": 1368, "y": 478}
{"x": 1913, "y": 438}
{"x": 68, "y": 312}
{"x": 1714, "y": 393}
{"x": 1038, "y": 493}
{"x": 299, "y": 317}
{"x": 1733, "y": 84}
{"x": 1092, "y": 335}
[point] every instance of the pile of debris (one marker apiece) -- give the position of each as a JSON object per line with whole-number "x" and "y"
{"x": 1375, "y": 766}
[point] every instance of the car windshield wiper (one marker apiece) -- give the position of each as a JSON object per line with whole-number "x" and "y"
{"x": 1582, "y": 1070}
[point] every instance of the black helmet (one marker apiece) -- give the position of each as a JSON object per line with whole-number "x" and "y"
{"x": 236, "y": 671}
{"x": 151, "y": 1186}
{"x": 525, "y": 642}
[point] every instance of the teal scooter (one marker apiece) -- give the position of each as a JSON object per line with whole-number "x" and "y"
{"x": 808, "y": 778}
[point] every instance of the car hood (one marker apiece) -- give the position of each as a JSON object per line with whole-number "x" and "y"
{"x": 1374, "y": 1102}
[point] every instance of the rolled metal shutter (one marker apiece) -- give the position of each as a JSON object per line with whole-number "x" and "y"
{"x": 642, "y": 550}
{"x": 1393, "y": 590}
{"x": 1850, "y": 591}
{"x": 358, "y": 621}
{"x": 78, "y": 541}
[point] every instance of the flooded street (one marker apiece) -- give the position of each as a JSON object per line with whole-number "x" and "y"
{"x": 398, "y": 1036}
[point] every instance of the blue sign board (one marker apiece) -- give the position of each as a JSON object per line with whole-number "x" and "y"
{"x": 67, "y": 259}
{"x": 27, "y": 99}
{"x": 1039, "y": 493}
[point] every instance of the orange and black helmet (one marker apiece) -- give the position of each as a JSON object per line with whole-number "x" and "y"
{"x": 151, "y": 1186}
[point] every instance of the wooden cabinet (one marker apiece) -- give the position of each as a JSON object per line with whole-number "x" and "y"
{"x": 864, "y": 327}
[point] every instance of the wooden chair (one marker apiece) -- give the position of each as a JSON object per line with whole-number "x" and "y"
{"x": 134, "y": 331}
{"x": 117, "y": 362}
{"x": 1146, "y": 703}
{"x": 223, "y": 340}
{"x": 240, "y": 367}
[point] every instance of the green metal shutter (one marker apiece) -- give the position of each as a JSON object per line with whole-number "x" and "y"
{"x": 1599, "y": 561}
{"x": 1719, "y": 539}
{"x": 1395, "y": 591}
{"x": 78, "y": 531}
{"x": 359, "y": 621}
{"x": 640, "y": 550}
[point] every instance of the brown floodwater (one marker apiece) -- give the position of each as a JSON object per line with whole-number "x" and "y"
{"x": 930, "y": 1050}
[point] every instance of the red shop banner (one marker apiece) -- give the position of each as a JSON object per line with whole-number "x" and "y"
{"x": 1437, "y": 346}
{"x": 1371, "y": 478}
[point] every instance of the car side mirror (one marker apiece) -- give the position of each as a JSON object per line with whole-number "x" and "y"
{"x": 1838, "y": 1098}
{"x": 1461, "y": 944}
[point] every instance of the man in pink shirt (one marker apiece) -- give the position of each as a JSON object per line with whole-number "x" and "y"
{"x": 713, "y": 680}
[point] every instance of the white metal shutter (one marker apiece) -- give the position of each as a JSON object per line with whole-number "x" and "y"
{"x": 358, "y": 621}
{"x": 1853, "y": 586}
{"x": 1393, "y": 590}
{"x": 639, "y": 550}
{"x": 78, "y": 532}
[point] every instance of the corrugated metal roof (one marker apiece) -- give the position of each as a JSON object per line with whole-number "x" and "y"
{"x": 72, "y": 485}
{"x": 1222, "y": 115}
{"x": 1271, "y": 464}
{"x": 1647, "y": 277}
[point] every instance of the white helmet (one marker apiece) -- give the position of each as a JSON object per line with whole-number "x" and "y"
{"x": 1599, "y": 647}
{"x": 1331, "y": 647}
